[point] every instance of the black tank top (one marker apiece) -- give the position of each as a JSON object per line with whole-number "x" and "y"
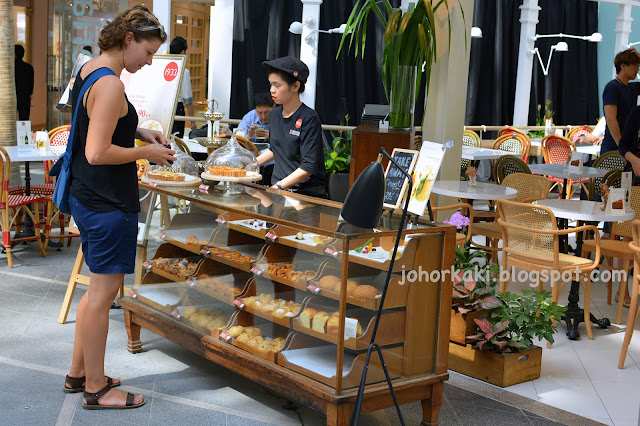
{"x": 103, "y": 188}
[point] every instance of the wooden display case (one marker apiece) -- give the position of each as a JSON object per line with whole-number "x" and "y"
{"x": 318, "y": 360}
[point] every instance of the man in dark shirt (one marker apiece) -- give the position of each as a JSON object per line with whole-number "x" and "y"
{"x": 24, "y": 84}
{"x": 620, "y": 97}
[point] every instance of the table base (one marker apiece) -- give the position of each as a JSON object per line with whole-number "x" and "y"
{"x": 575, "y": 315}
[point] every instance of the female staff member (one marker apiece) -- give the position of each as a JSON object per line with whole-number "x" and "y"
{"x": 104, "y": 193}
{"x": 295, "y": 132}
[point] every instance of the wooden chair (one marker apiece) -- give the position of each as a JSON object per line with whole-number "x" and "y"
{"x": 530, "y": 188}
{"x": 247, "y": 144}
{"x": 611, "y": 160}
{"x": 555, "y": 150}
{"x": 508, "y": 130}
{"x": 514, "y": 142}
{"x": 508, "y": 164}
{"x": 634, "y": 308}
{"x": 469, "y": 138}
{"x": 531, "y": 242}
{"x": 577, "y": 132}
{"x": 11, "y": 206}
{"x": 617, "y": 248}
{"x": 465, "y": 208}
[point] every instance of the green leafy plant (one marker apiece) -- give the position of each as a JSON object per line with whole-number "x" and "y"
{"x": 410, "y": 39}
{"x": 519, "y": 320}
{"x": 474, "y": 283}
{"x": 338, "y": 158}
{"x": 542, "y": 118}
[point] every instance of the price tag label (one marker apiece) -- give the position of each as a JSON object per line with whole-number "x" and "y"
{"x": 191, "y": 281}
{"x": 204, "y": 187}
{"x": 350, "y": 328}
{"x": 147, "y": 266}
{"x": 205, "y": 252}
{"x": 153, "y": 184}
{"x": 133, "y": 294}
{"x": 162, "y": 235}
{"x": 176, "y": 314}
{"x": 312, "y": 287}
{"x": 224, "y": 336}
{"x": 220, "y": 220}
{"x": 272, "y": 236}
{"x": 331, "y": 251}
{"x": 256, "y": 271}
{"x": 238, "y": 303}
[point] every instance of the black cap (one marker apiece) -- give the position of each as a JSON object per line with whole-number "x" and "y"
{"x": 290, "y": 65}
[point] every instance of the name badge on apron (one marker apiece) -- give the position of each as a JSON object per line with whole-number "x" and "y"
{"x": 294, "y": 132}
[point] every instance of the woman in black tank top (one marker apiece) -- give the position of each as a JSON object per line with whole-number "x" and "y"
{"x": 104, "y": 193}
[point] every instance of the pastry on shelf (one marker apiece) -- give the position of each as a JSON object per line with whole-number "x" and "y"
{"x": 365, "y": 292}
{"x": 180, "y": 267}
{"x": 195, "y": 241}
{"x": 209, "y": 318}
{"x": 217, "y": 285}
{"x": 306, "y": 317}
{"x": 252, "y": 337}
{"x": 166, "y": 175}
{"x": 329, "y": 282}
{"x": 227, "y": 171}
{"x": 333, "y": 325}
{"x": 319, "y": 321}
{"x": 278, "y": 308}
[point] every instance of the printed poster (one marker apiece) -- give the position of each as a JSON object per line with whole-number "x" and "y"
{"x": 154, "y": 89}
{"x": 424, "y": 175}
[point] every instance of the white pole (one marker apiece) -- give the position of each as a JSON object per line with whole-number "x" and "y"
{"x": 623, "y": 29}
{"x": 220, "y": 53}
{"x": 528, "y": 20}
{"x": 309, "y": 48}
{"x": 162, "y": 11}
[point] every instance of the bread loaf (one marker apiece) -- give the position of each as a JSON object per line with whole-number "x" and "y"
{"x": 319, "y": 321}
{"x": 307, "y": 316}
{"x": 329, "y": 282}
{"x": 365, "y": 292}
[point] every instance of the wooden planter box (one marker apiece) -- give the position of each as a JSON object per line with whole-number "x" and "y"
{"x": 498, "y": 369}
{"x": 463, "y": 325}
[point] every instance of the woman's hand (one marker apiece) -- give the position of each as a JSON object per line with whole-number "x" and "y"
{"x": 151, "y": 136}
{"x": 159, "y": 154}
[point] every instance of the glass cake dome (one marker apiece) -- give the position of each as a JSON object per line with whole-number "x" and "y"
{"x": 232, "y": 155}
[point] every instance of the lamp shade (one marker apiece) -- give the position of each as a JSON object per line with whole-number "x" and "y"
{"x": 562, "y": 46}
{"x": 363, "y": 205}
{"x": 295, "y": 28}
{"x": 595, "y": 38}
{"x": 476, "y": 32}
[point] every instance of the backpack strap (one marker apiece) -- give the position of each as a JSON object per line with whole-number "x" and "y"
{"x": 93, "y": 77}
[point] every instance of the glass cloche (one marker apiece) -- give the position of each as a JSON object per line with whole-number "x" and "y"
{"x": 184, "y": 163}
{"x": 232, "y": 155}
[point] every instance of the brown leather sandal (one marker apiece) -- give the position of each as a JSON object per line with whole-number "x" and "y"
{"x": 77, "y": 384}
{"x": 92, "y": 400}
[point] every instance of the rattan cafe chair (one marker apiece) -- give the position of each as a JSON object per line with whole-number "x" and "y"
{"x": 11, "y": 206}
{"x": 531, "y": 242}
{"x": 555, "y": 150}
{"x": 508, "y": 130}
{"x": 530, "y": 188}
{"x": 518, "y": 143}
{"x": 611, "y": 160}
{"x": 634, "y": 308}
{"x": 616, "y": 248}
{"x": 508, "y": 164}
{"x": 577, "y": 132}
{"x": 469, "y": 138}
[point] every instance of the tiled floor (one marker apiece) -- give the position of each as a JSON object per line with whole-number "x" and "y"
{"x": 577, "y": 376}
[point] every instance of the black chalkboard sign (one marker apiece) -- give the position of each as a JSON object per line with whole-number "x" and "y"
{"x": 396, "y": 181}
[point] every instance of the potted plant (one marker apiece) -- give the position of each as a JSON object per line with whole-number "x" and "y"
{"x": 337, "y": 163}
{"x": 410, "y": 44}
{"x": 541, "y": 119}
{"x": 474, "y": 293}
{"x": 503, "y": 353}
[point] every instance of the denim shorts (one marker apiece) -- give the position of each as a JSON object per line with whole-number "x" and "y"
{"x": 108, "y": 238}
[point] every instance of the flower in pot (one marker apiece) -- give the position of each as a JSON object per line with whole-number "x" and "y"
{"x": 410, "y": 45}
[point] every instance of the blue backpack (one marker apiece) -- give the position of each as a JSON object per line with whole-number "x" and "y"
{"x": 62, "y": 167}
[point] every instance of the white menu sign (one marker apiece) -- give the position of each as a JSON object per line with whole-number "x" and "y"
{"x": 154, "y": 89}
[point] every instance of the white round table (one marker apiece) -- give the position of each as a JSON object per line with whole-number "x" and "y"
{"x": 585, "y": 211}
{"x": 476, "y": 153}
{"x": 482, "y": 190}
